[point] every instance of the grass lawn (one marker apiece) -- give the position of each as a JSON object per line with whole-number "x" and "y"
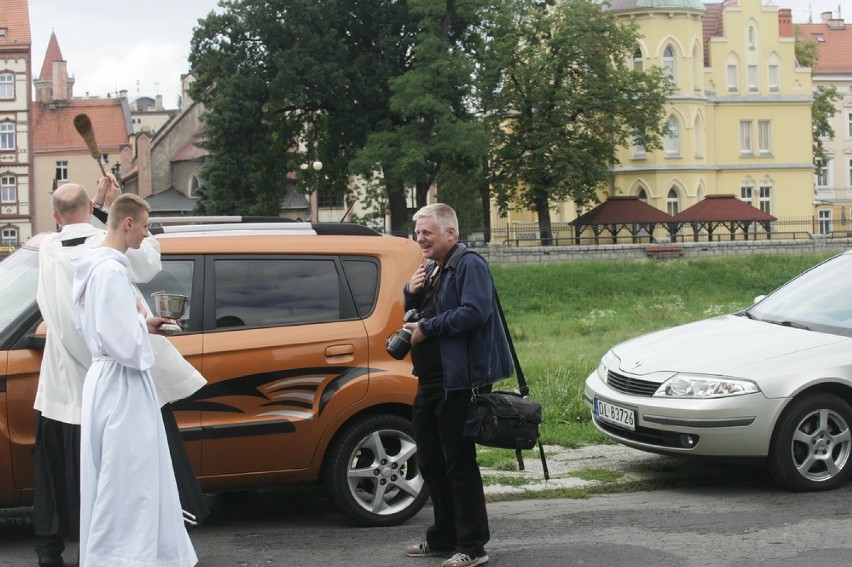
{"x": 564, "y": 317}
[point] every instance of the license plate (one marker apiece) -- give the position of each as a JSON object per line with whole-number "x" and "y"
{"x": 615, "y": 414}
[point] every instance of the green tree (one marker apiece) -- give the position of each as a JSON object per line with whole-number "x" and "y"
{"x": 432, "y": 136}
{"x": 561, "y": 99}
{"x": 286, "y": 82}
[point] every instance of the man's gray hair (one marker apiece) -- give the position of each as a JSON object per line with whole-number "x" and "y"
{"x": 444, "y": 215}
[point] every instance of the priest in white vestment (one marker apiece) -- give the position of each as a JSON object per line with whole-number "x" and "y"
{"x": 130, "y": 512}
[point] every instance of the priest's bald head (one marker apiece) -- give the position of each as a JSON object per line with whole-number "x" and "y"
{"x": 71, "y": 204}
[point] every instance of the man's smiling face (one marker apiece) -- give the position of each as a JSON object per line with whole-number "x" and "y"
{"x": 434, "y": 243}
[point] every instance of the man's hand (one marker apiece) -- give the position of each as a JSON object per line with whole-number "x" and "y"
{"x": 418, "y": 280}
{"x": 154, "y": 324}
{"x": 108, "y": 190}
{"x": 417, "y": 335}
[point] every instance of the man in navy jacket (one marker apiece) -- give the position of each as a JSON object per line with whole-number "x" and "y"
{"x": 458, "y": 343}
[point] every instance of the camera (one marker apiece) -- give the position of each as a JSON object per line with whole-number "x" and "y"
{"x": 399, "y": 344}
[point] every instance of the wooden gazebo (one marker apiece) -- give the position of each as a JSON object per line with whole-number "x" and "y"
{"x": 622, "y": 214}
{"x": 726, "y": 211}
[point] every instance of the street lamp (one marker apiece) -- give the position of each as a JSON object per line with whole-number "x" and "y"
{"x": 316, "y": 165}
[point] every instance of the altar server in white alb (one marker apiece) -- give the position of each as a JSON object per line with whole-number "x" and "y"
{"x": 130, "y": 513}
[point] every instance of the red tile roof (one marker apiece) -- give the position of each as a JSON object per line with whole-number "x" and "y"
{"x": 623, "y": 210}
{"x": 15, "y": 19}
{"x": 712, "y": 27}
{"x": 189, "y": 151}
{"x": 834, "y": 44}
{"x": 722, "y": 208}
{"x": 51, "y": 54}
{"x": 53, "y": 130}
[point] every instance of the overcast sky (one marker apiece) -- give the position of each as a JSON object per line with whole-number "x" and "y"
{"x": 143, "y": 46}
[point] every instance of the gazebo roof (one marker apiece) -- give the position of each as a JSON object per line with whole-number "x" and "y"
{"x": 722, "y": 208}
{"x": 623, "y": 210}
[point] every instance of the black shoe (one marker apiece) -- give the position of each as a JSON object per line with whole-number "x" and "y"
{"x": 51, "y": 562}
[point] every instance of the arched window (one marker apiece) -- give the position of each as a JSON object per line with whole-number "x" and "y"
{"x": 637, "y": 60}
{"x": 194, "y": 186}
{"x": 672, "y": 202}
{"x": 669, "y": 65}
{"x": 671, "y": 144}
{"x": 752, "y": 38}
{"x": 697, "y": 68}
{"x": 698, "y": 128}
{"x": 642, "y": 194}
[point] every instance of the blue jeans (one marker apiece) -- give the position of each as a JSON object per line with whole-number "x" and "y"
{"x": 449, "y": 467}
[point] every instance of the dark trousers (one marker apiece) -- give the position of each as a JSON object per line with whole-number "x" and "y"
{"x": 56, "y": 488}
{"x": 449, "y": 467}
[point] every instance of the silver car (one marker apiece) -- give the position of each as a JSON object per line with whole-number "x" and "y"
{"x": 772, "y": 382}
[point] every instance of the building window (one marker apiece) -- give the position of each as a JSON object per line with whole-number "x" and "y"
{"x": 746, "y": 194}
{"x": 850, "y": 171}
{"x": 669, "y": 65}
{"x": 849, "y": 125}
{"x": 745, "y": 137}
{"x": 7, "y": 136}
{"x": 765, "y": 199}
{"x": 772, "y": 77}
{"x": 732, "y": 77}
{"x": 642, "y": 194}
{"x": 751, "y": 37}
{"x": 8, "y": 189}
{"x": 752, "y": 77}
{"x": 638, "y": 148}
{"x": 62, "y": 171}
{"x": 672, "y": 202}
{"x": 105, "y": 159}
{"x": 672, "y": 142}
{"x": 329, "y": 199}
{"x": 194, "y": 186}
{"x": 9, "y": 236}
{"x": 825, "y": 221}
{"x": 764, "y": 137}
{"x": 7, "y": 85}
{"x": 822, "y": 175}
{"x": 637, "y": 60}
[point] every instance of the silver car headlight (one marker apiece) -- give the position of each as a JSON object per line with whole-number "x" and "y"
{"x": 609, "y": 359}
{"x": 699, "y": 386}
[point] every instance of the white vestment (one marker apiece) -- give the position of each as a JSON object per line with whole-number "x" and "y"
{"x": 130, "y": 512}
{"x": 66, "y": 359}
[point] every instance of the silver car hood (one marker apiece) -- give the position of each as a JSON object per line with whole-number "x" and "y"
{"x": 718, "y": 346}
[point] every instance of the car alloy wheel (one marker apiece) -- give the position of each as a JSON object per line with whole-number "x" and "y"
{"x": 812, "y": 443}
{"x": 371, "y": 472}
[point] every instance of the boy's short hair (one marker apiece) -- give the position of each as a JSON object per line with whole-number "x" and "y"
{"x": 127, "y": 205}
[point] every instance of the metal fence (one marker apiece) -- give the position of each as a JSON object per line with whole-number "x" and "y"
{"x": 566, "y": 234}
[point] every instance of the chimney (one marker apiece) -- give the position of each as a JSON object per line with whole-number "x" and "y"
{"x": 158, "y": 102}
{"x": 143, "y": 158}
{"x": 122, "y": 93}
{"x": 785, "y": 22}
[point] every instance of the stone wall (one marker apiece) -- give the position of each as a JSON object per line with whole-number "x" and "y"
{"x": 499, "y": 254}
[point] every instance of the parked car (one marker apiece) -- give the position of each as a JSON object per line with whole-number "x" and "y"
{"x": 772, "y": 382}
{"x": 288, "y": 323}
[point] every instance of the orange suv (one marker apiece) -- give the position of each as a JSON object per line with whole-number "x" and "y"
{"x": 288, "y": 323}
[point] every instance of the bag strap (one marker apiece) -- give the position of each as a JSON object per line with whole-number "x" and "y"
{"x": 522, "y": 383}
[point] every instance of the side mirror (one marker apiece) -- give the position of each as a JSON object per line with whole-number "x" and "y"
{"x": 37, "y": 339}
{"x": 759, "y": 298}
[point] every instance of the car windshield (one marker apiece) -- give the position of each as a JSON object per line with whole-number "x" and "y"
{"x": 18, "y": 281}
{"x": 818, "y": 300}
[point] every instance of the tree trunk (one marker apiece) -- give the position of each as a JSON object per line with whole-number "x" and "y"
{"x": 396, "y": 206}
{"x": 421, "y": 193}
{"x": 485, "y": 202}
{"x": 545, "y": 230}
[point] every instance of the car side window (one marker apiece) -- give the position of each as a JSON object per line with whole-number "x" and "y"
{"x": 258, "y": 292}
{"x": 363, "y": 278}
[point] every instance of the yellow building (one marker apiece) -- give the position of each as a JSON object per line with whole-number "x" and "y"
{"x": 739, "y": 112}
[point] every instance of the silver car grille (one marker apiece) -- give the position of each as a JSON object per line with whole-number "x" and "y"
{"x": 633, "y": 386}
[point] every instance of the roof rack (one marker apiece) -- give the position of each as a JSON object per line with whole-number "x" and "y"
{"x": 160, "y": 225}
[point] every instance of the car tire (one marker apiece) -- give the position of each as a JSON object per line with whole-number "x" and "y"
{"x": 811, "y": 445}
{"x": 371, "y": 472}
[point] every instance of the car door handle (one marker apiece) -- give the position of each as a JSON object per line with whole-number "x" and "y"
{"x": 340, "y": 353}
